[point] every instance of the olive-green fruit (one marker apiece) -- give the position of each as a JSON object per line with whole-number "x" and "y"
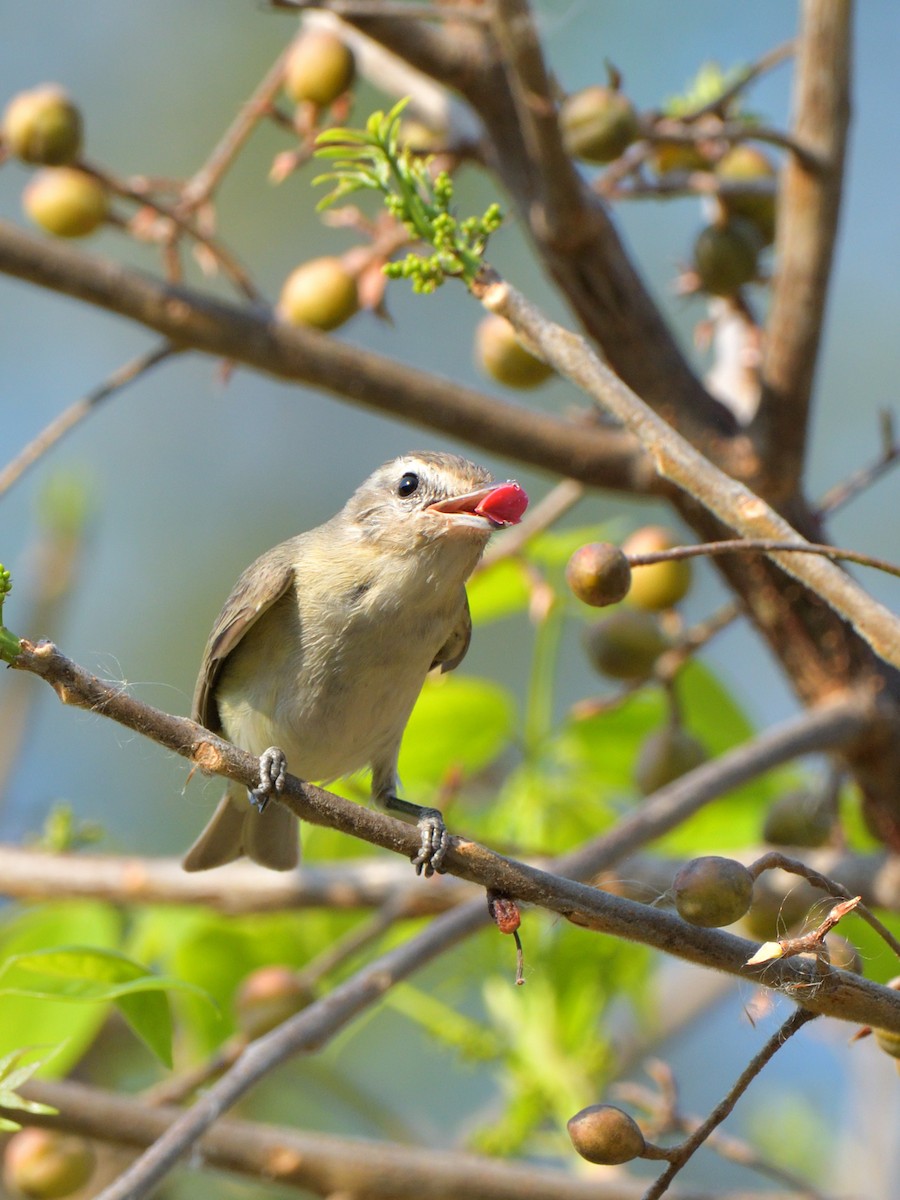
{"x": 319, "y": 68}
{"x": 501, "y": 355}
{"x": 725, "y": 256}
{"x": 599, "y": 574}
{"x": 43, "y": 1164}
{"x": 660, "y": 585}
{"x": 626, "y": 644}
{"x": 598, "y": 124}
{"x": 66, "y": 201}
{"x": 267, "y": 997}
{"x": 665, "y": 756}
{"x": 43, "y": 126}
{"x": 712, "y": 891}
{"x": 748, "y": 164}
{"x": 781, "y": 906}
{"x": 321, "y": 293}
{"x": 670, "y": 157}
{"x": 803, "y": 818}
{"x": 605, "y": 1134}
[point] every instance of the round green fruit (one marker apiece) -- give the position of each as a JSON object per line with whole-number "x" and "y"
{"x": 725, "y": 256}
{"x": 660, "y": 585}
{"x": 267, "y": 997}
{"x": 43, "y": 1164}
{"x": 713, "y": 891}
{"x": 66, "y": 202}
{"x": 598, "y": 124}
{"x": 321, "y": 293}
{"x": 748, "y": 164}
{"x": 664, "y": 757}
{"x": 801, "y": 818}
{"x": 605, "y": 1134}
{"x": 502, "y": 356}
{"x": 626, "y": 644}
{"x": 599, "y": 574}
{"x": 318, "y": 69}
{"x": 43, "y": 126}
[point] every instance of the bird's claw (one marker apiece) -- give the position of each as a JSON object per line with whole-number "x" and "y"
{"x": 435, "y": 843}
{"x": 272, "y": 769}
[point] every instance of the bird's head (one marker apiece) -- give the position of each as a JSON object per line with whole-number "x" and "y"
{"x": 431, "y": 499}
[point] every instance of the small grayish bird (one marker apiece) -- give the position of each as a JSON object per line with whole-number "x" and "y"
{"x": 319, "y": 653}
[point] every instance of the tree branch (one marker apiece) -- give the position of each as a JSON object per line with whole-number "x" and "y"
{"x": 585, "y": 451}
{"x": 468, "y": 860}
{"x": 677, "y": 461}
{"x": 809, "y": 207}
{"x": 317, "y": 1162}
{"x": 238, "y": 888}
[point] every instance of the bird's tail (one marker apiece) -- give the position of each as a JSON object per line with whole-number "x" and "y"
{"x": 236, "y": 828}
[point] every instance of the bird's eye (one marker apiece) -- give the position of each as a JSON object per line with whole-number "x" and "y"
{"x": 408, "y": 484}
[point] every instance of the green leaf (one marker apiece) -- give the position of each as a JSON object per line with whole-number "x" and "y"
{"x": 49, "y": 1022}
{"x": 78, "y": 973}
{"x": 458, "y": 723}
{"x": 13, "y": 1076}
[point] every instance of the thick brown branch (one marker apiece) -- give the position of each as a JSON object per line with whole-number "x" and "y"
{"x": 809, "y": 207}
{"x": 597, "y": 456}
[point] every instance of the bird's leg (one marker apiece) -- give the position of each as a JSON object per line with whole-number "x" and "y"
{"x": 272, "y": 768}
{"x": 430, "y": 823}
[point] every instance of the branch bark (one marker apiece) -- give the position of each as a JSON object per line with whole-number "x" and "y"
{"x": 584, "y": 451}
{"x": 809, "y": 208}
{"x": 320, "y": 1162}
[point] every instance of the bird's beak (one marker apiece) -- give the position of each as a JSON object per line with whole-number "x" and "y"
{"x": 498, "y": 503}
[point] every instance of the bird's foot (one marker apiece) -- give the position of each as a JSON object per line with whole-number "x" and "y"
{"x": 272, "y": 768}
{"x": 430, "y": 823}
{"x": 435, "y": 843}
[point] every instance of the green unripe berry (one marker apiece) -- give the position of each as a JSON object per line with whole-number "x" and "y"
{"x": 45, "y": 1165}
{"x": 626, "y": 644}
{"x": 748, "y": 164}
{"x": 598, "y": 124}
{"x": 725, "y": 256}
{"x": 66, "y": 202}
{"x": 501, "y": 355}
{"x": 599, "y": 574}
{"x": 319, "y": 68}
{"x": 267, "y": 997}
{"x": 660, "y": 585}
{"x": 43, "y": 126}
{"x": 321, "y": 293}
{"x": 713, "y": 891}
{"x": 605, "y": 1134}
{"x": 664, "y": 757}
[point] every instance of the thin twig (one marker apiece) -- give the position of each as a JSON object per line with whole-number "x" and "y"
{"x": 765, "y": 546}
{"x": 792, "y": 1025}
{"x": 200, "y": 187}
{"x": 775, "y": 860}
{"x": 842, "y": 493}
{"x": 387, "y": 8}
{"x": 76, "y": 412}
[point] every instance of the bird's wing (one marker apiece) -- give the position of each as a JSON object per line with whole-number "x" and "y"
{"x": 454, "y": 649}
{"x": 257, "y": 590}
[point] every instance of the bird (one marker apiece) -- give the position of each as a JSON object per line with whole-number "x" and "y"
{"x": 320, "y": 651}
